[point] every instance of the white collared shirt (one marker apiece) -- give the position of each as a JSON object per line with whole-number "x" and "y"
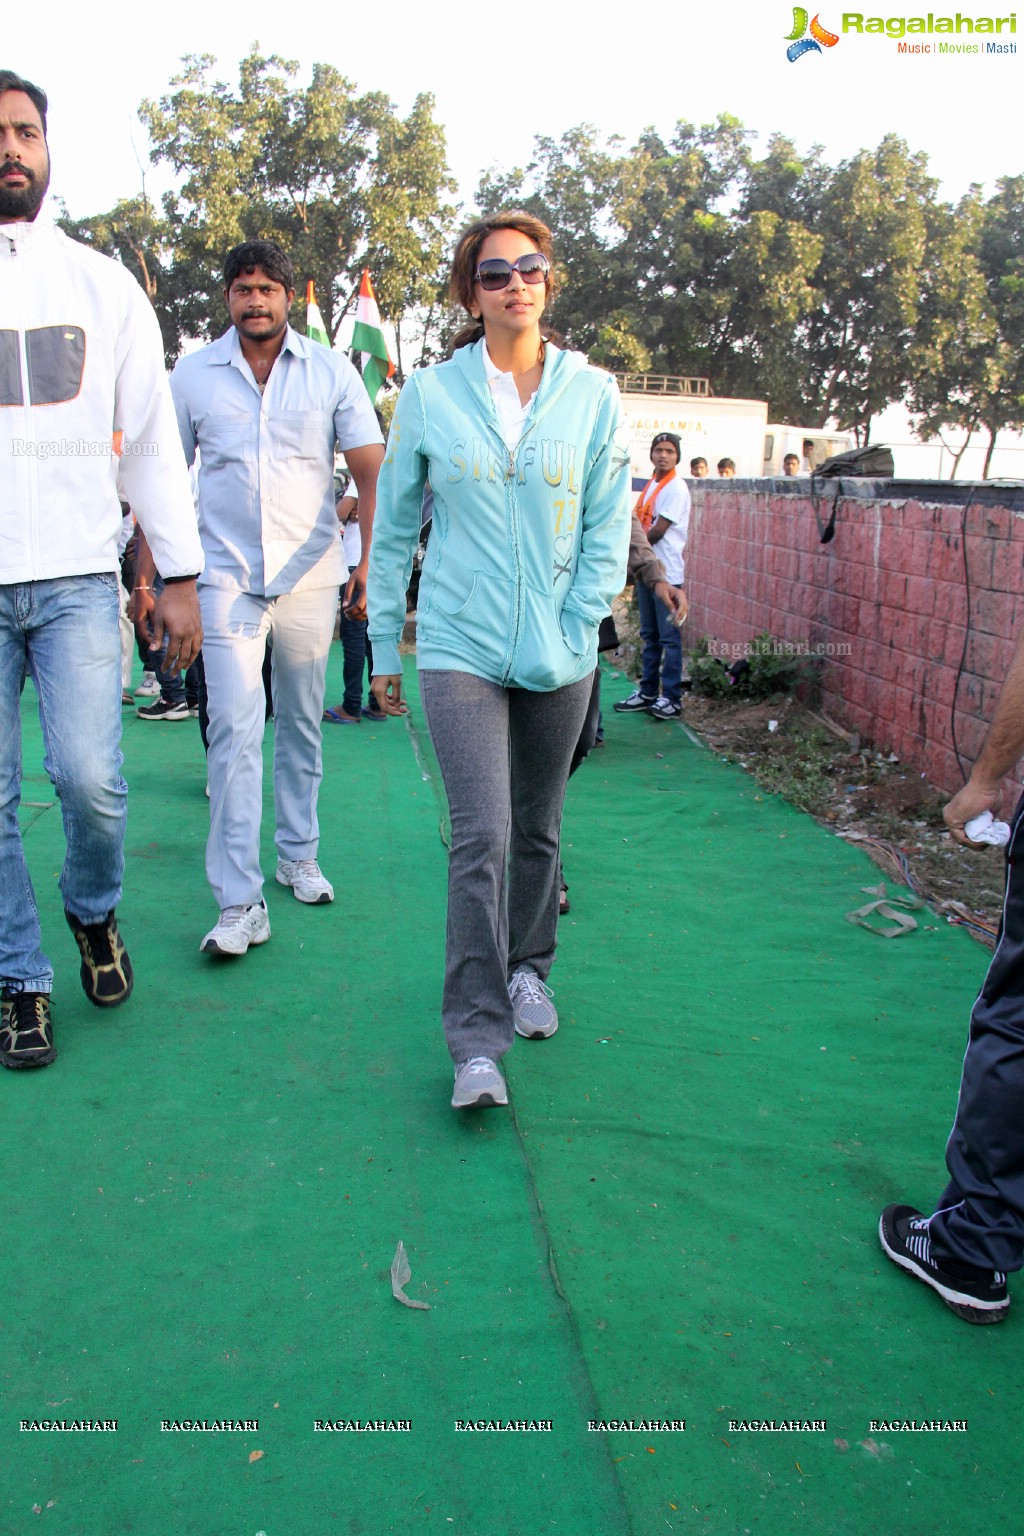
{"x": 266, "y": 480}
{"x": 512, "y": 413}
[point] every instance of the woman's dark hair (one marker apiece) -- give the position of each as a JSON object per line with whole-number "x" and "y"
{"x": 462, "y": 281}
{"x": 9, "y": 81}
{"x": 273, "y": 258}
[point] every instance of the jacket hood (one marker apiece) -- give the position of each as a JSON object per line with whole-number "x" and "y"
{"x": 560, "y": 368}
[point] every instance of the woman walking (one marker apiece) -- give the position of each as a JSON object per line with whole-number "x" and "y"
{"x": 524, "y": 448}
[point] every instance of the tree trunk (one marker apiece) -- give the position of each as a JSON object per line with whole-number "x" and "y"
{"x": 993, "y": 433}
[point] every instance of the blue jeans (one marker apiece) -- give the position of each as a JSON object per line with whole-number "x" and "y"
{"x": 662, "y": 664}
{"x": 358, "y": 656}
{"x": 65, "y": 635}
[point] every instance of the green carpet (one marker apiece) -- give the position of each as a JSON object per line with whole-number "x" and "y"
{"x": 676, "y": 1223}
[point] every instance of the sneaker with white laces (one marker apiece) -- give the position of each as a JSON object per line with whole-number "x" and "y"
{"x": 237, "y": 928}
{"x": 149, "y": 688}
{"x": 305, "y": 879}
{"x": 635, "y": 701}
{"x": 976, "y": 1295}
{"x": 664, "y": 709}
{"x": 478, "y": 1084}
{"x": 163, "y": 709}
{"x": 532, "y": 1009}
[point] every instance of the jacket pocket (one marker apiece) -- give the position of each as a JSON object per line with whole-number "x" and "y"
{"x": 55, "y": 355}
{"x": 547, "y": 658}
{"x": 469, "y": 614}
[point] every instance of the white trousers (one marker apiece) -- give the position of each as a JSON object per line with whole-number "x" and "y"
{"x": 237, "y": 627}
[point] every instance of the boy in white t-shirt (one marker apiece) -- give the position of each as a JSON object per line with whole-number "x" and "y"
{"x": 664, "y": 512}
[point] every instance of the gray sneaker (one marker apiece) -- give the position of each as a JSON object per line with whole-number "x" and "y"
{"x": 532, "y": 1009}
{"x": 478, "y": 1084}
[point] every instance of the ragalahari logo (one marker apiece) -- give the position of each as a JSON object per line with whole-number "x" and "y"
{"x": 799, "y": 41}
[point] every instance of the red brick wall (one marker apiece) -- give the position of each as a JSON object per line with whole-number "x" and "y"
{"x": 890, "y": 586}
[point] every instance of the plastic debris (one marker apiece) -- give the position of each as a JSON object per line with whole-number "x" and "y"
{"x": 894, "y": 909}
{"x": 401, "y": 1274}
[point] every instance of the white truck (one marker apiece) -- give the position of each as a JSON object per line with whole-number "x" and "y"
{"x": 713, "y": 427}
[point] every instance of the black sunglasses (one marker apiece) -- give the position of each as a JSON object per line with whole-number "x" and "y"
{"x": 495, "y": 272}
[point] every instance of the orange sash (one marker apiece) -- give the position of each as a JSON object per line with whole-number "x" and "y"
{"x": 644, "y": 508}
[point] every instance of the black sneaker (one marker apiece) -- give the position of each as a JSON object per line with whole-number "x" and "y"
{"x": 976, "y": 1295}
{"x": 106, "y": 970}
{"x": 163, "y": 709}
{"x": 636, "y": 701}
{"x": 26, "y": 1034}
{"x": 662, "y": 709}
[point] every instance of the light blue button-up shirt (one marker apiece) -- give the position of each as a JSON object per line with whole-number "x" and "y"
{"x": 266, "y": 462}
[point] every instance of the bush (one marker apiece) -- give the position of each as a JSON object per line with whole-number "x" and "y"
{"x": 768, "y": 666}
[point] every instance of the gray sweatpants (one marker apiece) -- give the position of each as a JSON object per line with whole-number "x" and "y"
{"x": 504, "y": 756}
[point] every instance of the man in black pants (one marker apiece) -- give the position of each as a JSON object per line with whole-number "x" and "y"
{"x": 976, "y": 1233}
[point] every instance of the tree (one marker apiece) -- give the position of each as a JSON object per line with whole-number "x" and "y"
{"x": 337, "y": 177}
{"x": 954, "y": 363}
{"x": 134, "y": 234}
{"x": 871, "y": 214}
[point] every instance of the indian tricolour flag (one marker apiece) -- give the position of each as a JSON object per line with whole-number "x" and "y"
{"x": 368, "y": 340}
{"x": 315, "y": 328}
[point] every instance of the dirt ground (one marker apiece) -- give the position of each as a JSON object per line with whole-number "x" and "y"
{"x": 873, "y": 800}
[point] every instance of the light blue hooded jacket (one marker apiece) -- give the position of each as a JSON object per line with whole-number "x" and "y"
{"x": 527, "y": 548}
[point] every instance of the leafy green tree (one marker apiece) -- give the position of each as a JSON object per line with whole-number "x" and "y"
{"x": 134, "y": 234}
{"x": 337, "y": 177}
{"x": 871, "y": 214}
{"x": 954, "y": 359}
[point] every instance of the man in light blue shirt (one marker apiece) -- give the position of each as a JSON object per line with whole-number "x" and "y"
{"x": 266, "y": 408}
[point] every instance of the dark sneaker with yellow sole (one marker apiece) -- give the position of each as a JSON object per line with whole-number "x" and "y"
{"x": 26, "y": 1034}
{"x": 106, "y": 970}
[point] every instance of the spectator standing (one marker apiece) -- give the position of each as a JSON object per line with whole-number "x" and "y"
{"x": 663, "y": 511}
{"x": 355, "y": 646}
{"x": 726, "y": 468}
{"x": 699, "y": 468}
{"x": 81, "y": 360}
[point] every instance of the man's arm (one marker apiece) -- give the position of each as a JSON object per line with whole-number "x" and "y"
{"x": 645, "y": 566}
{"x": 658, "y": 529}
{"x": 152, "y": 467}
{"x": 364, "y": 464}
{"x": 175, "y": 613}
{"x": 1002, "y": 750}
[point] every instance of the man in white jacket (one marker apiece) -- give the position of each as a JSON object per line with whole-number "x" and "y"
{"x": 81, "y": 379}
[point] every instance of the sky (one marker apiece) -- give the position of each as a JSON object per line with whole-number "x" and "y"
{"x": 503, "y": 75}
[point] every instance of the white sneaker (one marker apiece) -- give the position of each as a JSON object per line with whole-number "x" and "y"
{"x": 532, "y": 1009}
{"x": 237, "y": 928}
{"x": 478, "y": 1085}
{"x": 305, "y": 879}
{"x": 149, "y": 688}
